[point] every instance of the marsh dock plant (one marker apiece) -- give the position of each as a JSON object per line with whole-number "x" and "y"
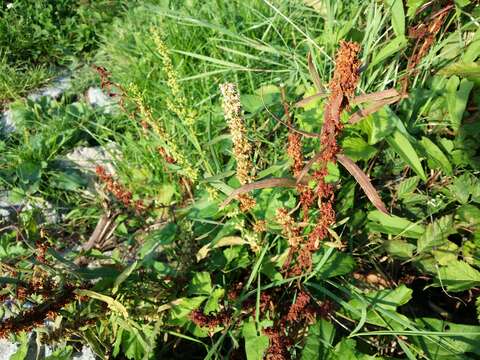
{"x": 309, "y": 263}
{"x": 169, "y": 145}
{"x": 177, "y": 103}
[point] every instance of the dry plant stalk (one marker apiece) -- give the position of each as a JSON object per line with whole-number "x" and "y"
{"x": 242, "y": 149}
{"x": 425, "y": 34}
{"x": 342, "y": 87}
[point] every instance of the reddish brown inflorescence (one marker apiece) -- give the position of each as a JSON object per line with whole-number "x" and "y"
{"x": 119, "y": 191}
{"x": 210, "y": 321}
{"x": 36, "y": 316}
{"x": 342, "y": 87}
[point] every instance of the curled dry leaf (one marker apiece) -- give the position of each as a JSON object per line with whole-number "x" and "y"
{"x": 360, "y": 114}
{"x": 363, "y": 181}
{"x": 378, "y": 95}
{"x": 314, "y": 74}
{"x": 309, "y": 99}
{"x": 262, "y": 184}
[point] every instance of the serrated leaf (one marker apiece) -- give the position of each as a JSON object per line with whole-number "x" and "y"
{"x": 446, "y": 253}
{"x": 401, "y": 145}
{"x": 436, "y": 156}
{"x": 407, "y": 186}
{"x": 461, "y": 188}
{"x": 469, "y": 215}
{"x": 436, "y": 234}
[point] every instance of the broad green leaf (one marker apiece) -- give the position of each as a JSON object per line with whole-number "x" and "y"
{"x": 399, "y": 248}
{"x": 64, "y": 353}
{"x": 124, "y": 276}
{"x": 462, "y": 3}
{"x": 201, "y": 284}
{"x": 383, "y": 300}
{"x": 466, "y": 339}
{"x": 398, "y": 16}
{"x": 473, "y": 49}
{"x": 223, "y": 242}
{"x": 357, "y": 149}
{"x": 400, "y": 143}
{"x": 393, "y": 47}
{"x": 29, "y": 172}
{"x": 461, "y": 188}
{"x": 378, "y": 125}
{"x": 68, "y": 181}
{"x": 470, "y": 70}
{"x": 446, "y": 253}
{"x": 458, "y": 276}
{"x": 338, "y": 263}
{"x": 333, "y": 173}
{"x": 469, "y": 215}
{"x": 394, "y": 225}
{"x": 390, "y": 299}
{"x": 436, "y": 156}
{"x": 436, "y": 234}
{"x": 319, "y": 343}
{"x": 22, "y": 349}
{"x": 255, "y": 345}
{"x": 163, "y": 236}
{"x": 457, "y": 98}
{"x": 413, "y": 6}
{"x": 346, "y": 350}
{"x": 182, "y": 308}
{"x": 213, "y": 302}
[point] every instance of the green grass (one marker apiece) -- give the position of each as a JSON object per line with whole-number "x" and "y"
{"x": 403, "y": 285}
{"x": 38, "y": 37}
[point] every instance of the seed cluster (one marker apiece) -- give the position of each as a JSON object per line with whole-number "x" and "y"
{"x": 242, "y": 149}
{"x": 119, "y": 191}
{"x": 342, "y": 87}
